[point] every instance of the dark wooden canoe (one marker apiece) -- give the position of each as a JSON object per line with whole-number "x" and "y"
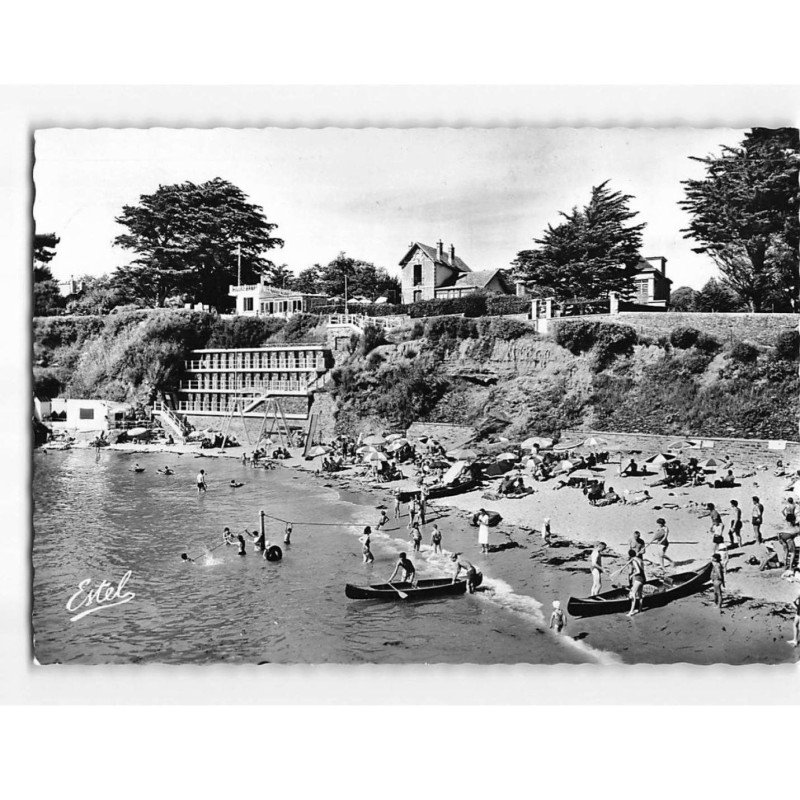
{"x": 453, "y": 488}
{"x": 424, "y": 589}
{"x": 657, "y": 592}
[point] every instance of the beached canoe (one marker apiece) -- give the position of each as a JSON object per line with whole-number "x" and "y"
{"x": 424, "y": 589}
{"x": 657, "y": 592}
{"x": 453, "y": 489}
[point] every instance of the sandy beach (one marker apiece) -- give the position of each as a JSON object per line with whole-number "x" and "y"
{"x": 756, "y": 619}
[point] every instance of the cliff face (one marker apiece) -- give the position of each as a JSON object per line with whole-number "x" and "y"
{"x": 538, "y": 387}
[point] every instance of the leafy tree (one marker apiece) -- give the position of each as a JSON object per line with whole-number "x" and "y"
{"x": 716, "y": 296}
{"x": 593, "y": 251}
{"x": 744, "y": 214}
{"x": 683, "y": 299}
{"x": 47, "y": 299}
{"x": 363, "y": 279}
{"x": 186, "y": 237}
{"x": 280, "y": 276}
{"x": 100, "y": 294}
{"x": 309, "y": 279}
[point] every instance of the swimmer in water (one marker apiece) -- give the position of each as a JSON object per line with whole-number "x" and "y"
{"x": 242, "y": 551}
{"x": 287, "y": 536}
{"x": 436, "y": 539}
{"x": 185, "y": 558}
{"x": 234, "y": 484}
{"x": 227, "y": 536}
{"x": 201, "y": 481}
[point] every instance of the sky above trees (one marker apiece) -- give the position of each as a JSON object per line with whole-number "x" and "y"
{"x": 371, "y": 192}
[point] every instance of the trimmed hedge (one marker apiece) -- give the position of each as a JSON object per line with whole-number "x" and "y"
{"x": 471, "y": 305}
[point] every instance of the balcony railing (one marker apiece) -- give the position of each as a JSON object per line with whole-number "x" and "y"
{"x": 254, "y": 387}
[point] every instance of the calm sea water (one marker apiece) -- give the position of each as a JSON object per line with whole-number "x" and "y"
{"x": 95, "y": 518}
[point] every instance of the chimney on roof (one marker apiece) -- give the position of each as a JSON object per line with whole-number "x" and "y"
{"x": 659, "y": 262}
{"x": 452, "y": 255}
{"x": 439, "y": 250}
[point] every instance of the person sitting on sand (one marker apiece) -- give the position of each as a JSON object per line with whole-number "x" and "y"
{"x": 726, "y": 482}
{"x": 505, "y": 486}
{"x": 558, "y": 619}
{"x": 609, "y": 498}
{"x": 406, "y": 567}
{"x": 227, "y": 536}
{"x": 769, "y": 558}
{"x": 596, "y": 561}
{"x": 717, "y": 579}
{"x": 661, "y": 540}
{"x": 366, "y": 546}
{"x": 469, "y": 570}
{"x": 637, "y": 579}
{"x": 436, "y": 539}
{"x": 631, "y": 468}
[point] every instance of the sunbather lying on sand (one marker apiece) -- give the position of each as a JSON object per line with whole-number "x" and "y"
{"x": 634, "y": 498}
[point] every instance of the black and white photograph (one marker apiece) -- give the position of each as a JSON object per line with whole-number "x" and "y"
{"x": 430, "y": 395}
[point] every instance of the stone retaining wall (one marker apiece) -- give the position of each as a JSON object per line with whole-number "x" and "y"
{"x": 761, "y": 329}
{"x": 741, "y": 451}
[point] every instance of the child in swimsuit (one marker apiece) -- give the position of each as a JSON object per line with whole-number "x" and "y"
{"x": 558, "y": 619}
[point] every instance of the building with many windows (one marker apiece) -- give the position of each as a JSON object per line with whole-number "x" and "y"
{"x": 217, "y": 381}
{"x": 262, "y": 299}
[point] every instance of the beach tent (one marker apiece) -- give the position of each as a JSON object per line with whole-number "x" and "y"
{"x": 595, "y": 441}
{"x": 708, "y": 463}
{"x": 543, "y": 442}
{"x": 463, "y": 454}
{"x": 561, "y": 446}
{"x": 319, "y": 450}
{"x": 660, "y": 458}
{"x": 507, "y": 457}
{"x": 374, "y": 438}
{"x": 453, "y": 472}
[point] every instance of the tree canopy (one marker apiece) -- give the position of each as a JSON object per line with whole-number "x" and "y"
{"x": 186, "y": 238}
{"x": 47, "y": 299}
{"x": 587, "y": 255}
{"x": 744, "y": 214}
{"x": 363, "y": 279}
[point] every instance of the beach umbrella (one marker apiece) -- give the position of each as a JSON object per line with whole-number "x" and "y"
{"x": 392, "y": 437}
{"x": 567, "y": 446}
{"x": 376, "y": 456}
{"x": 319, "y": 450}
{"x": 137, "y": 432}
{"x": 365, "y": 448}
{"x": 566, "y": 464}
{"x": 709, "y": 462}
{"x": 660, "y": 458}
{"x": 507, "y": 457}
{"x": 374, "y": 438}
{"x": 463, "y": 454}
{"x": 535, "y": 460}
{"x": 398, "y": 444}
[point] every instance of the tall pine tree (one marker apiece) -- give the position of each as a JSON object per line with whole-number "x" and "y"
{"x": 744, "y": 214}
{"x": 593, "y": 251}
